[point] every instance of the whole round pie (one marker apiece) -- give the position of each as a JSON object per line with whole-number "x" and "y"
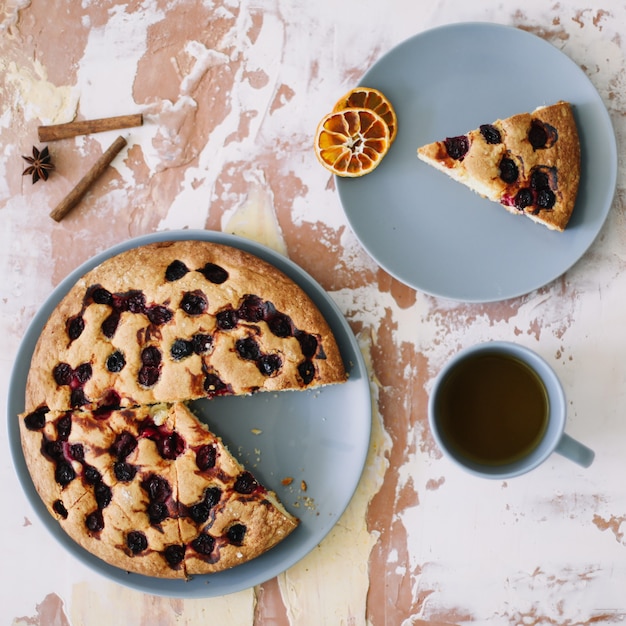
{"x": 115, "y": 453}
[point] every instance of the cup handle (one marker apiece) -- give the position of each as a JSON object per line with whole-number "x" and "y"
{"x": 575, "y": 451}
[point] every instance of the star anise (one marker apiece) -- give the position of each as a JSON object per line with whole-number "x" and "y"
{"x": 40, "y": 165}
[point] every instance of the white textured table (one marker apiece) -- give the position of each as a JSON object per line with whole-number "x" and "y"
{"x": 231, "y": 94}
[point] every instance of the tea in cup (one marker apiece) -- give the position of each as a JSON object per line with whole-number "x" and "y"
{"x": 498, "y": 410}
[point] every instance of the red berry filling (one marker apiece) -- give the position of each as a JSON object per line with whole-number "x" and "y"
{"x": 169, "y": 443}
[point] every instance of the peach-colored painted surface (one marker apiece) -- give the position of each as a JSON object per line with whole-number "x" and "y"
{"x": 231, "y": 93}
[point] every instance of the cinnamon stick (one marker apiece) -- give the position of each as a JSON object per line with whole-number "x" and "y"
{"x": 85, "y": 127}
{"x": 77, "y": 194}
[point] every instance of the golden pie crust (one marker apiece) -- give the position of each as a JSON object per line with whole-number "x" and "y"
{"x": 118, "y": 458}
{"x": 544, "y": 148}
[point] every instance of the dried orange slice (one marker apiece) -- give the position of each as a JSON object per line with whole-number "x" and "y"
{"x": 370, "y": 98}
{"x": 351, "y": 142}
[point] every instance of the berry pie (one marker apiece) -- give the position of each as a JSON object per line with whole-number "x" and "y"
{"x": 113, "y": 450}
{"x": 529, "y": 163}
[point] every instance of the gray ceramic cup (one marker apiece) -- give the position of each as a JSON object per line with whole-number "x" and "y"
{"x": 554, "y": 438}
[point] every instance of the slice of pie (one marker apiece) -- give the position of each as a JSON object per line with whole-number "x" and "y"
{"x": 151, "y": 490}
{"x": 529, "y": 163}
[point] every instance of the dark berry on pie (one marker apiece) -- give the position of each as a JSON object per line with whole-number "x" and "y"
{"x": 64, "y": 473}
{"x": 159, "y": 315}
{"x": 148, "y": 375}
{"x": 151, "y": 356}
{"x": 116, "y": 362}
{"x": 91, "y": 475}
{"x": 490, "y": 133}
{"x": 194, "y": 302}
{"x": 252, "y": 309}
{"x": 214, "y": 273}
{"x": 306, "y": 369}
{"x": 203, "y": 544}
{"x": 524, "y": 198}
{"x": 201, "y": 343}
{"x": 539, "y": 179}
{"x": 206, "y": 457}
{"x": 248, "y": 349}
{"x": 175, "y": 271}
{"x": 227, "y": 319}
{"x": 509, "y": 171}
{"x": 545, "y": 198}
{"x": 64, "y": 427}
{"x": 541, "y": 135}
{"x": 53, "y": 449}
{"x": 308, "y": 344}
{"x": 169, "y": 444}
{"x": 157, "y": 512}
{"x": 136, "y": 541}
{"x": 109, "y": 326}
{"x": 157, "y": 488}
{"x": 212, "y": 496}
{"x": 124, "y": 472}
{"x": 75, "y": 327}
{"x": 214, "y": 386}
{"x": 101, "y": 296}
{"x": 269, "y": 364}
{"x": 37, "y": 419}
{"x": 174, "y": 554}
{"x": 280, "y": 325}
{"x": 59, "y": 508}
{"x": 236, "y": 533}
{"x": 181, "y": 348}
{"x": 110, "y": 402}
{"x": 62, "y": 374}
{"x": 103, "y": 494}
{"x": 199, "y": 512}
{"x": 94, "y": 521}
{"x": 245, "y": 483}
{"x": 123, "y": 445}
{"x": 457, "y": 147}
{"x": 77, "y": 451}
{"x": 133, "y": 301}
{"x": 78, "y": 397}
{"x": 83, "y": 373}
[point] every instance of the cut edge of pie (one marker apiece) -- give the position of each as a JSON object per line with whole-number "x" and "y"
{"x": 529, "y": 163}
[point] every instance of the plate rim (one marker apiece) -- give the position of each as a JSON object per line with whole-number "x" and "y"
{"x": 173, "y": 587}
{"x": 601, "y": 114}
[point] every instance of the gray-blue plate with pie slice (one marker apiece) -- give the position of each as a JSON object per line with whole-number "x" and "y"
{"x": 436, "y": 235}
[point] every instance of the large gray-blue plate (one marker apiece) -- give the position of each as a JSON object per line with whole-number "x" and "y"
{"x": 431, "y": 232}
{"x": 319, "y": 436}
